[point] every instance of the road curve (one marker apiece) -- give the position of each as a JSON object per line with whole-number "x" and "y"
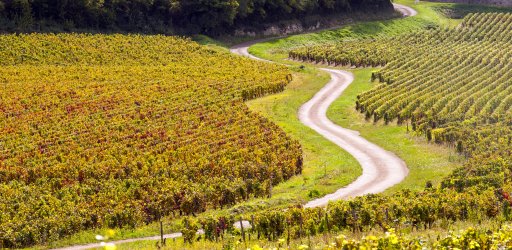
{"x": 243, "y": 49}
{"x": 406, "y": 10}
{"x": 381, "y": 169}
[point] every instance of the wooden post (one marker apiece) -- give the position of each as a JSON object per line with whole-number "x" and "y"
{"x": 270, "y": 188}
{"x": 327, "y": 221}
{"x": 288, "y": 227}
{"x": 252, "y": 227}
{"x": 242, "y": 228}
{"x": 162, "y": 233}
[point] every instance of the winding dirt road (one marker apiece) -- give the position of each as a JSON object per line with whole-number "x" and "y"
{"x": 406, "y": 10}
{"x": 381, "y": 169}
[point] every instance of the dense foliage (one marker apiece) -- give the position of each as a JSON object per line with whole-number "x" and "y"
{"x": 118, "y": 130}
{"x": 210, "y": 16}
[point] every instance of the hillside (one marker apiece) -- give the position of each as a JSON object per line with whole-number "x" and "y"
{"x": 118, "y": 131}
{"x": 393, "y": 133}
{"x": 452, "y": 86}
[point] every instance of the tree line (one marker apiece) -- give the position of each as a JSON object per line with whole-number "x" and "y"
{"x": 166, "y": 16}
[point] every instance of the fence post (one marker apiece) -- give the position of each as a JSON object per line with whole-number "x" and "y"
{"x": 162, "y": 233}
{"x": 327, "y": 221}
{"x": 300, "y": 230}
{"x": 242, "y": 228}
{"x": 288, "y": 227}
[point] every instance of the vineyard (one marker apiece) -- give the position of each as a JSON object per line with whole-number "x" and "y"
{"x": 120, "y": 130}
{"x": 445, "y": 83}
{"x": 451, "y": 85}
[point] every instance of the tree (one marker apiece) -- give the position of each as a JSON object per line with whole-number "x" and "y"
{"x": 207, "y": 15}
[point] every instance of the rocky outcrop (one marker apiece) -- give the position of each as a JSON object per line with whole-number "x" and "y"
{"x": 278, "y": 29}
{"x": 310, "y": 23}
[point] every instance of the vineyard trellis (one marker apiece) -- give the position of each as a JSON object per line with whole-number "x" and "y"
{"x": 119, "y": 130}
{"x": 436, "y": 80}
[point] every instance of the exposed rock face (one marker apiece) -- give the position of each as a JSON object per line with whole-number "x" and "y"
{"x": 504, "y": 3}
{"x": 283, "y": 29}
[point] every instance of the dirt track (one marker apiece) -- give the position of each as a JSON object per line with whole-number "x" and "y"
{"x": 406, "y": 10}
{"x": 381, "y": 169}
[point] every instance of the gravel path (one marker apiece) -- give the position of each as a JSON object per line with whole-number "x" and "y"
{"x": 381, "y": 169}
{"x": 406, "y": 10}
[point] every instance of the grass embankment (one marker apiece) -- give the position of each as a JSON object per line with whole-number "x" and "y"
{"x": 322, "y": 159}
{"x": 426, "y": 161}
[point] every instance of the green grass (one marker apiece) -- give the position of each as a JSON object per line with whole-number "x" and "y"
{"x": 208, "y": 41}
{"x": 327, "y": 167}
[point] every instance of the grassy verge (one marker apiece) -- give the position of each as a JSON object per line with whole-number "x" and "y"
{"x": 426, "y": 161}
{"x": 327, "y": 167}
